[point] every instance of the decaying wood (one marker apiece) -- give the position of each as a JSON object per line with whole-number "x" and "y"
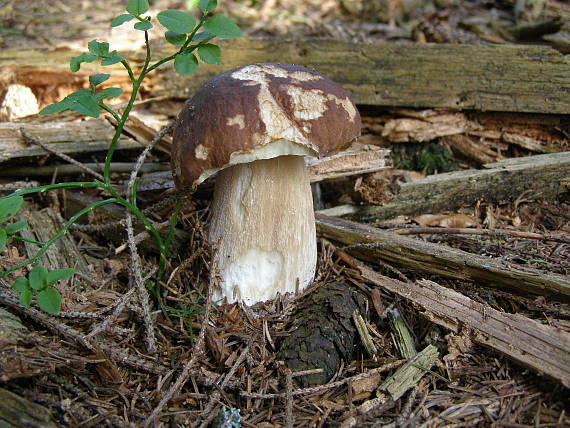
{"x": 64, "y": 137}
{"x": 18, "y": 412}
{"x": 323, "y": 333}
{"x": 538, "y": 177}
{"x": 358, "y": 159}
{"x": 482, "y": 77}
{"x": 480, "y": 131}
{"x": 370, "y": 243}
{"x": 64, "y": 253}
{"x": 409, "y": 374}
{"x": 543, "y": 348}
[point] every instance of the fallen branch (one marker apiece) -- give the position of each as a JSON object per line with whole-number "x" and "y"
{"x": 542, "y": 348}
{"x": 487, "y": 232}
{"x": 538, "y": 177}
{"x": 371, "y": 244}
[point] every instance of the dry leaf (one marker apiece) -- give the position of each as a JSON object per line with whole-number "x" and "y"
{"x": 446, "y": 220}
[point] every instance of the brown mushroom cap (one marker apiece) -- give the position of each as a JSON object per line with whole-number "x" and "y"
{"x": 240, "y": 112}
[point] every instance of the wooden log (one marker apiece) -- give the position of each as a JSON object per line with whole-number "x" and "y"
{"x": 538, "y": 177}
{"x": 543, "y": 348}
{"x": 532, "y": 79}
{"x": 65, "y": 137}
{"x": 371, "y": 244}
{"x": 18, "y": 412}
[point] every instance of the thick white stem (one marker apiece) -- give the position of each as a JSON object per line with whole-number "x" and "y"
{"x": 264, "y": 227}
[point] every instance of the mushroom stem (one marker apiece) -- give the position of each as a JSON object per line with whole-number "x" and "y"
{"x": 264, "y": 228}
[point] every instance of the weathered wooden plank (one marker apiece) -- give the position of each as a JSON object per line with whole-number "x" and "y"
{"x": 483, "y": 77}
{"x": 64, "y": 137}
{"x": 370, "y": 243}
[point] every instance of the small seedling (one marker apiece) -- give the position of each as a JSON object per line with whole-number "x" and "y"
{"x": 39, "y": 283}
{"x": 189, "y": 37}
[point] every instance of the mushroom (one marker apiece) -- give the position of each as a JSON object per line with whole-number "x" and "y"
{"x": 253, "y": 126}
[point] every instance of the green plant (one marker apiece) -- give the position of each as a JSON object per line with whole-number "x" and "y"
{"x": 39, "y": 283}
{"x": 189, "y": 37}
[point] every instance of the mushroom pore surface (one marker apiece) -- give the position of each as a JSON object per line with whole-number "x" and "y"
{"x": 263, "y": 226}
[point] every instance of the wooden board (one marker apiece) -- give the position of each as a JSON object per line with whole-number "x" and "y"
{"x": 518, "y": 78}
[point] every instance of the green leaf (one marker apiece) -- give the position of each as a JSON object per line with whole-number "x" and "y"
{"x": 185, "y": 64}
{"x": 210, "y": 53}
{"x": 26, "y": 297}
{"x": 101, "y": 49}
{"x": 175, "y": 38}
{"x": 112, "y": 58}
{"x": 76, "y": 61}
{"x": 207, "y": 6}
{"x": 108, "y": 93}
{"x": 97, "y": 79}
{"x": 202, "y": 36}
{"x": 38, "y": 277}
{"x": 84, "y": 104}
{"x": 143, "y": 25}
{"x": 54, "y": 108}
{"x": 177, "y": 21}
{"x": 82, "y": 101}
{"x": 59, "y": 274}
{"x": 15, "y": 227}
{"x": 137, "y": 7}
{"x": 221, "y": 26}
{"x": 21, "y": 284}
{"x": 49, "y": 300}
{"x": 121, "y": 19}
{"x": 191, "y": 4}
{"x": 9, "y": 206}
{"x": 3, "y": 239}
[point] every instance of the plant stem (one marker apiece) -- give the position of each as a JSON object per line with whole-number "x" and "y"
{"x": 58, "y": 235}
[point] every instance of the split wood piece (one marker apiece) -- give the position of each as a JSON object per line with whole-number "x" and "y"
{"x": 474, "y": 133}
{"x": 537, "y": 177}
{"x": 392, "y": 389}
{"x": 65, "y": 137}
{"x": 369, "y": 243}
{"x": 543, "y": 348}
{"x": 64, "y": 253}
{"x": 18, "y": 412}
{"x": 356, "y": 160}
{"x": 532, "y": 79}
{"x": 409, "y": 374}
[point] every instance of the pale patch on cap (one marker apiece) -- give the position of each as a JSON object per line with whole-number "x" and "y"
{"x": 238, "y": 119}
{"x": 346, "y": 104}
{"x": 304, "y": 76}
{"x": 308, "y": 103}
{"x": 201, "y": 152}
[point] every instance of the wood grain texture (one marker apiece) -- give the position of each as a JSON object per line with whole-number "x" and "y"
{"x": 369, "y": 243}
{"x": 539, "y": 177}
{"x": 518, "y": 78}
{"x": 543, "y": 348}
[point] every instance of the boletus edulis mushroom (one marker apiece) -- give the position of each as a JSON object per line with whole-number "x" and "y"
{"x": 253, "y": 126}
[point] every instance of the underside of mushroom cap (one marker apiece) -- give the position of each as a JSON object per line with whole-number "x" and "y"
{"x": 260, "y": 111}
